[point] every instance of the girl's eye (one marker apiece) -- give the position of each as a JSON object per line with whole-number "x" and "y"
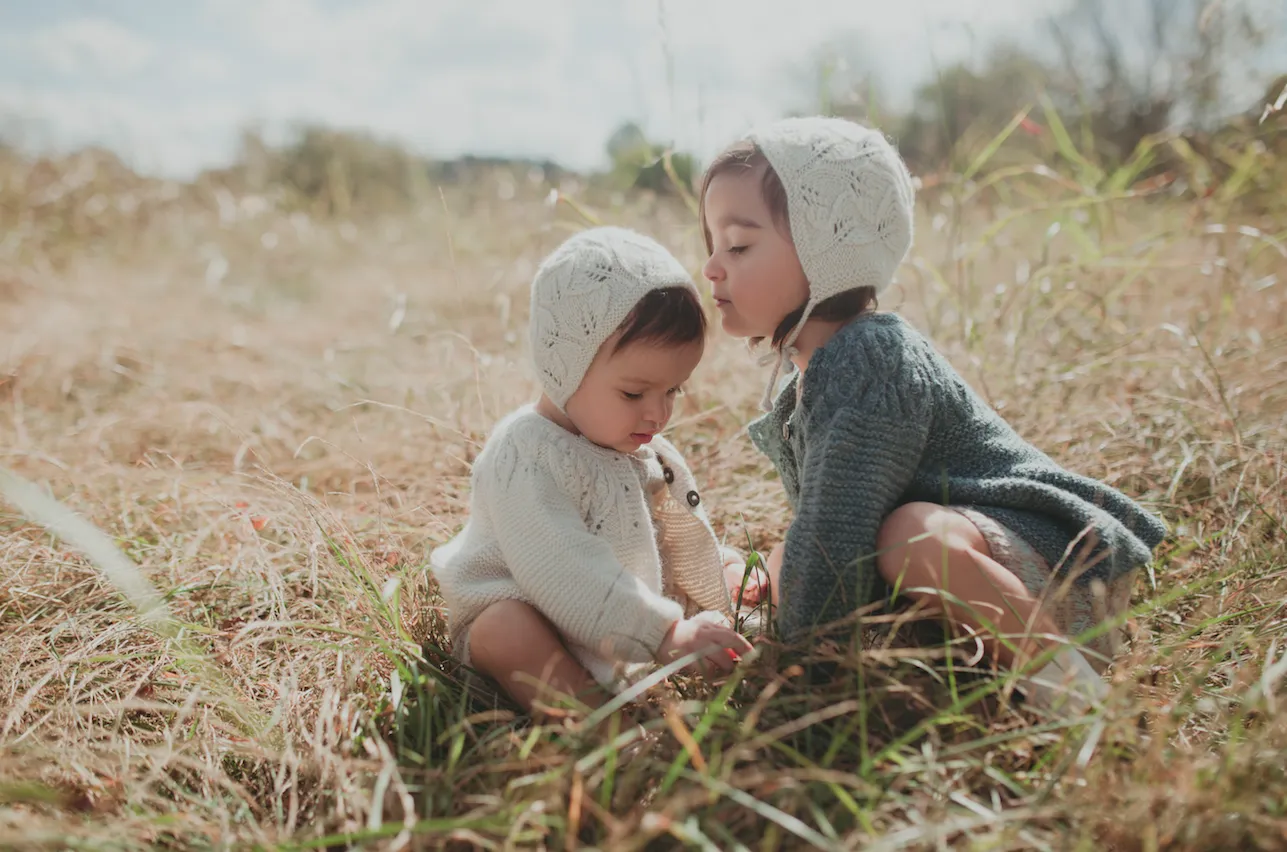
{"x": 676, "y": 391}
{"x": 737, "y": 249}
{"x": 631, "y": 396}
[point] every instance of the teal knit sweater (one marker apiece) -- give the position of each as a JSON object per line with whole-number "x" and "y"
{"x": 885, "y": 420}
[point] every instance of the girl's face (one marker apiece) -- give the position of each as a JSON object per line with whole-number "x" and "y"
{"x": 627, "y": 396}
{"x": 755, "y": 273}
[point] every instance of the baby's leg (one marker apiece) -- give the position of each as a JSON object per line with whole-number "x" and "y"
{"x": 933, "y": 547}
{"x": 518, "y": 647}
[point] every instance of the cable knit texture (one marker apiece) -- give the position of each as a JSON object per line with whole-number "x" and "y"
{"x": 885, "y": 420}
{"x": 583, "y": 292}
{"x": 611, "y": 547}
{"x": 849, "y": 199}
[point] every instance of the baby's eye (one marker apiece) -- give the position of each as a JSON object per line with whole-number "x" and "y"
{"x": 737, "y": 249}
{"x": 631, "y": 396}
{"x": 675, "y": 391}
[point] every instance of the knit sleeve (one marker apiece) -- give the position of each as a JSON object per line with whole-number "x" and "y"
{"x": 856, "y": 467}
{"x": 689, "y": 549}
{"x": 571, "y": 575}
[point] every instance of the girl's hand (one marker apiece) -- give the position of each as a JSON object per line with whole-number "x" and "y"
{"x": 757, "y": 584}
{"x": 721, "y": 647}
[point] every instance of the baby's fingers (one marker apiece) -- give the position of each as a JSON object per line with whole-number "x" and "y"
{"x": 728, "y": 658}
{"x": 735, "y": 645}
{"x": 723, "y": 660}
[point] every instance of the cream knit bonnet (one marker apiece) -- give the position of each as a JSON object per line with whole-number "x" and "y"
{"x": 849, "y": 200}
{"x": 583, "y": 292}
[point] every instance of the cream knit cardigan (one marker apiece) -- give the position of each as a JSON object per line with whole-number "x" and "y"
{"x": 611, "y": 547}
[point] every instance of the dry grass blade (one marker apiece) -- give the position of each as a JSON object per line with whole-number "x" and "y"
{"x": 792, "y": 824}
{"x": 119, "y": 571}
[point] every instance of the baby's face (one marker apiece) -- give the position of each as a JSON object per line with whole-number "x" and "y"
{"x": 627, "y": 396}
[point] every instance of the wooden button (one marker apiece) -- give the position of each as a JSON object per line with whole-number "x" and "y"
{"x": 694, "y": 498}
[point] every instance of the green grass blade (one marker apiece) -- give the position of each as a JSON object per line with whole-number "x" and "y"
{"x": 990, "y": 150}
{"x": 1089, "y": 174}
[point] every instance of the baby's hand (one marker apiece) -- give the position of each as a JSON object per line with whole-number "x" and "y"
{"x": 757, "y": 584}
{"x": 720, "y": 646}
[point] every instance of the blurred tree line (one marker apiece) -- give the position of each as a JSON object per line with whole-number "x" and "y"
{"x": 1111, "y": 80}
{"x": 332, "y": 172}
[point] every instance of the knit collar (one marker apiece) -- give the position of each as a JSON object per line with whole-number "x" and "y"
{"x": 767, "y": 430}
{"x": 769, "y": 427}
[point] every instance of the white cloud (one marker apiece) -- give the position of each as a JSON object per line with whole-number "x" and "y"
{"x": 205, "y": 66}
{"x": 88, "y": 46}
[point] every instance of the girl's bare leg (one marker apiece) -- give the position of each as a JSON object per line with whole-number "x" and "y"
{"x": 773, "y": 567}
{"x": 932, "y": 547}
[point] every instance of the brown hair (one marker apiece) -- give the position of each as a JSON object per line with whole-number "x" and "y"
{"x": 745, "y": 157}
{"x": 672, "y": 316}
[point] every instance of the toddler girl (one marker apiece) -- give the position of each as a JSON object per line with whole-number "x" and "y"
{"x": 588, "y": 552}
{"x": 901, "y": 478}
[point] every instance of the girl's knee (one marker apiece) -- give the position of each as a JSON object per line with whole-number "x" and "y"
{"x": 903, "y": 525}
{"x": 916, "y": 538}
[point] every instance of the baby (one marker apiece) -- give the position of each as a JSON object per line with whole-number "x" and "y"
{"x": 588, "y": 553}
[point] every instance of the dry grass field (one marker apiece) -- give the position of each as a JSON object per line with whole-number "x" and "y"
{"x": 272, "y": 418}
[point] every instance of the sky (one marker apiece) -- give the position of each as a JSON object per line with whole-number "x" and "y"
{"x": 169, "y": 84}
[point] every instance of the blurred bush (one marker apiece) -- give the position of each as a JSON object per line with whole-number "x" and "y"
{"x": 335, "y": 173}
{"x": 57, "y": 206}
{"x": 326, "y": 171}
{"x": 637, "y": 163}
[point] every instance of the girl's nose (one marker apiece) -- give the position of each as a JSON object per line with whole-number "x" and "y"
{"x": 712, "y": 270}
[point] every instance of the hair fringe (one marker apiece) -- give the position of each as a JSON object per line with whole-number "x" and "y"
{"x": 672, "y": 316}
